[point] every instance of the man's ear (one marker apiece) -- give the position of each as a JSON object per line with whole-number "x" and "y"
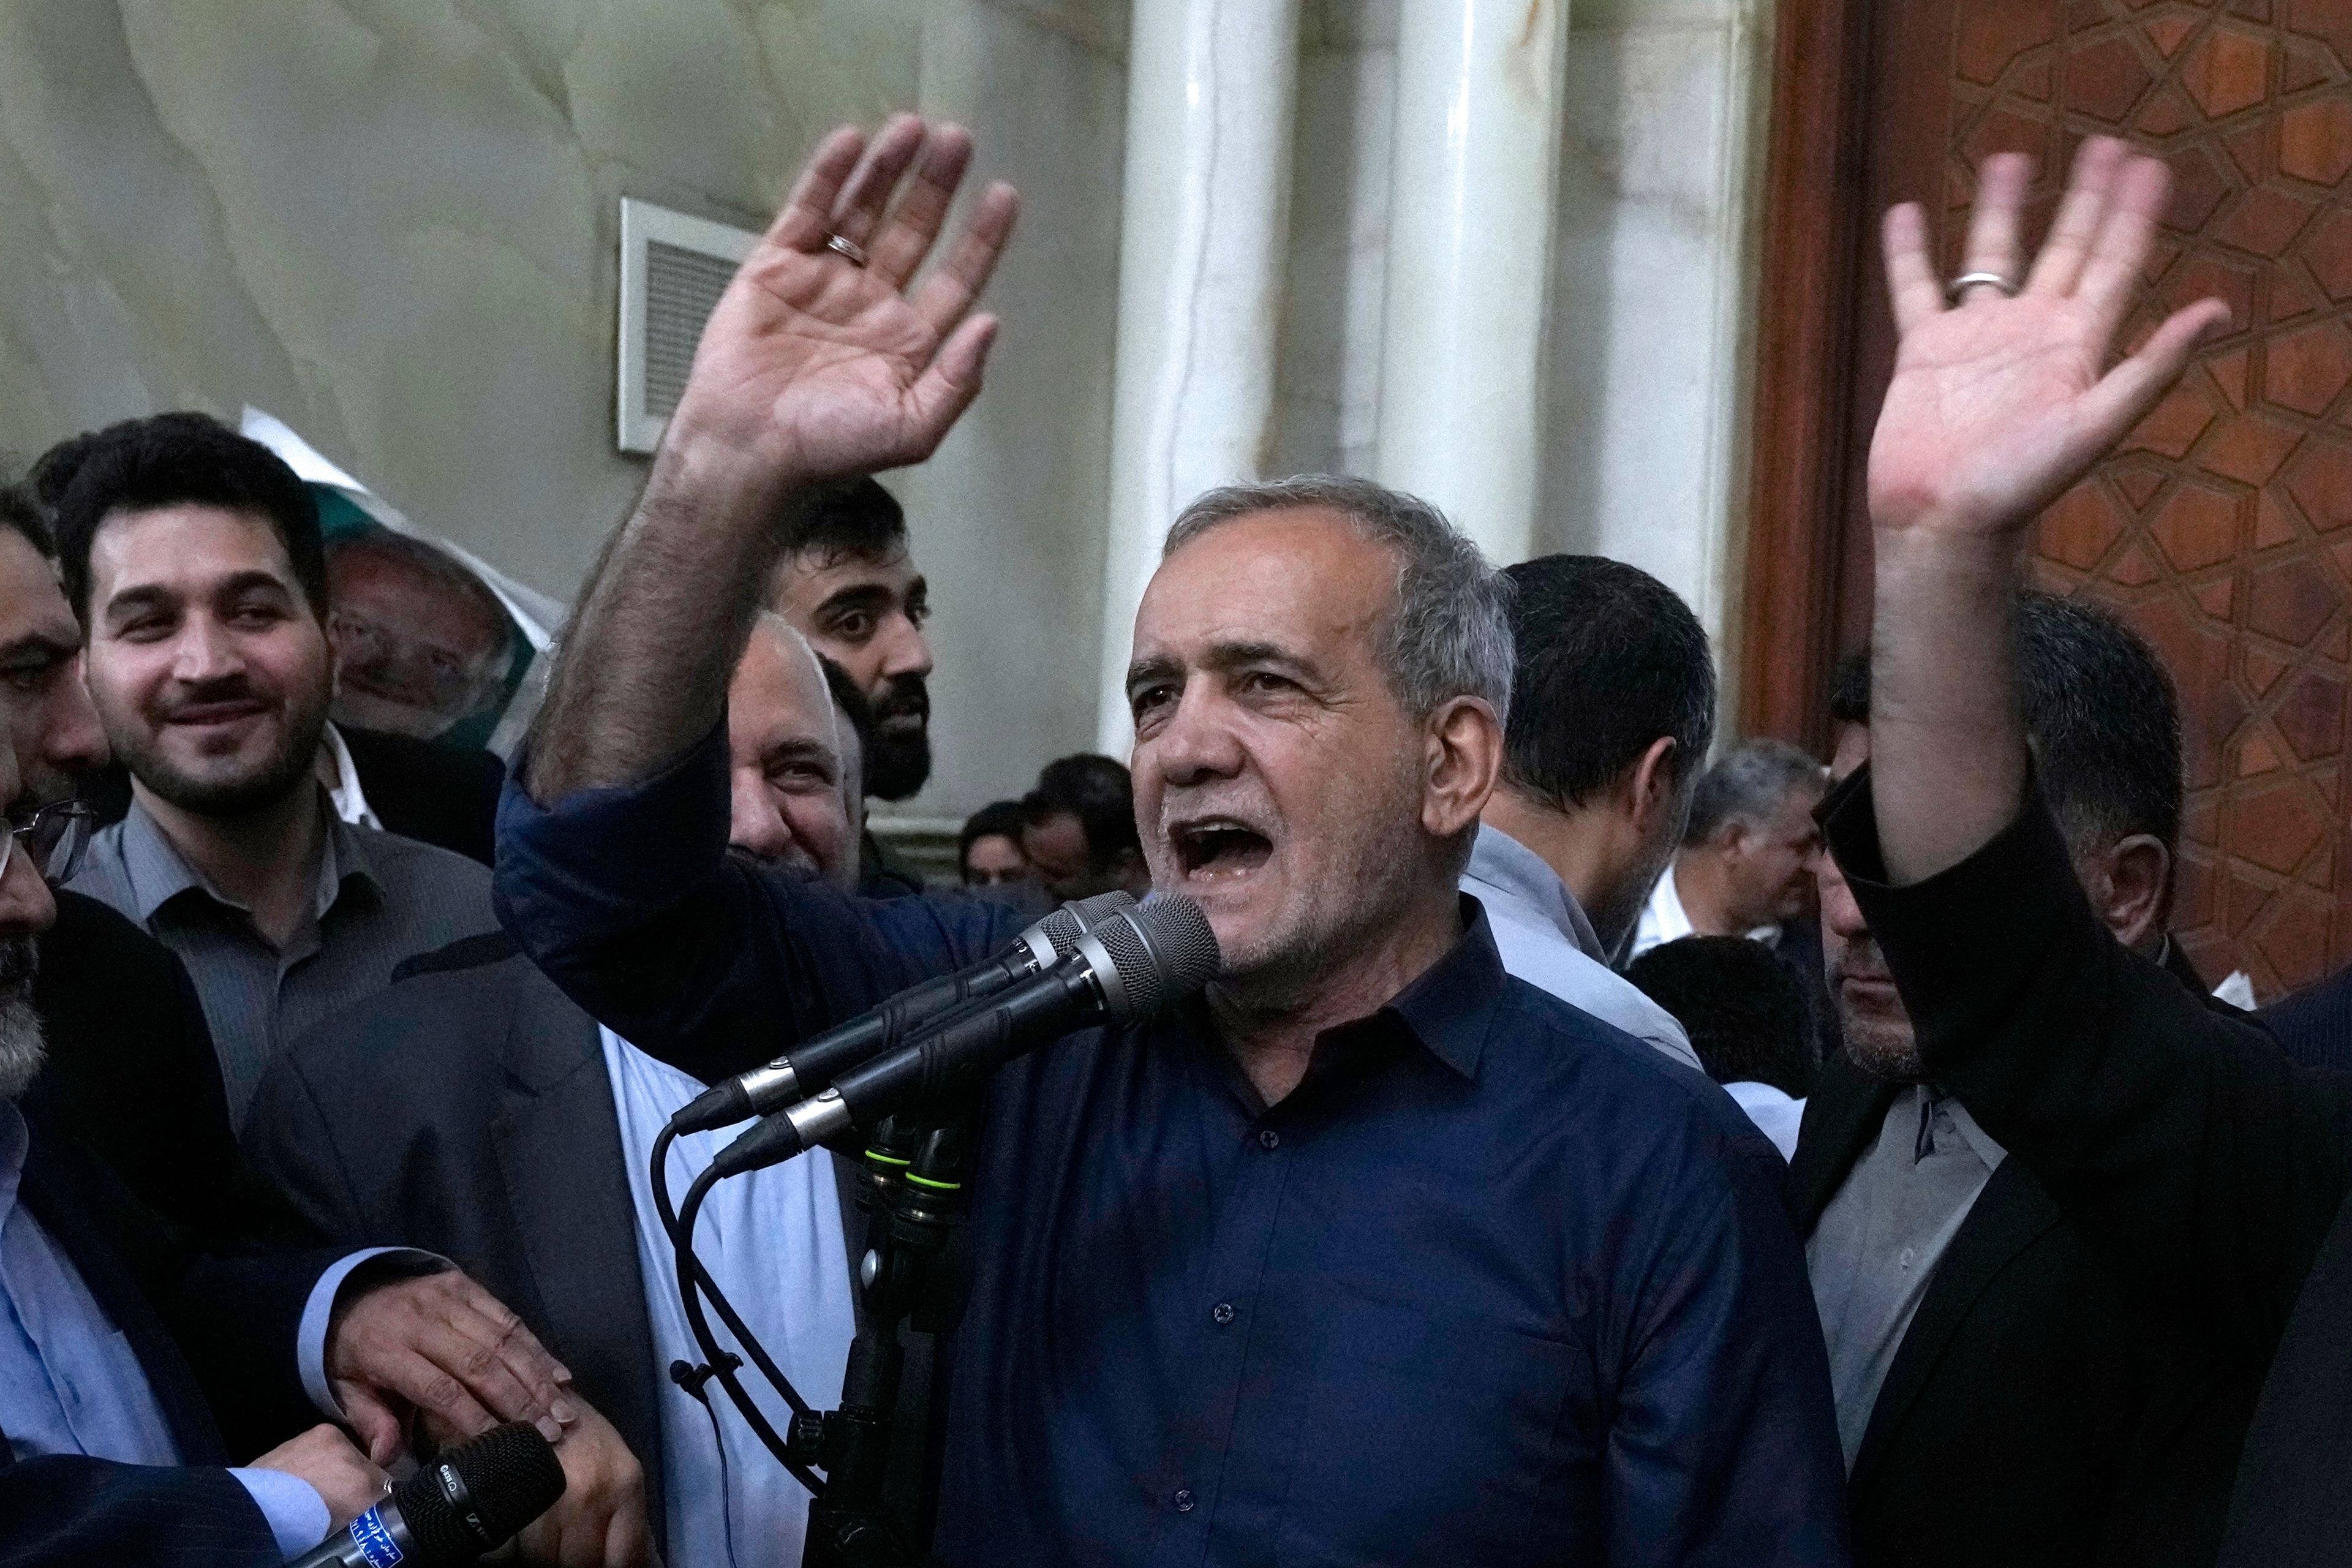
{"x": 1650, "y": 789}
{"x": 1464, "y": 754}
{"x": 2127, "y": 883}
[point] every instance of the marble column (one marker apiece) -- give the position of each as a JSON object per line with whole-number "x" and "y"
{"x": 1478, "y": 97}
{"x": 1204, "y": 228}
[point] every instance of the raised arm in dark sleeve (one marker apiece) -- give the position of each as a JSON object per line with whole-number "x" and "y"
{"x": 2187, "y": 1149}
{"x": 628, "y": 899}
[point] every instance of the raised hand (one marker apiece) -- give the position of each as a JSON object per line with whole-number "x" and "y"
{"x": 816, "y": 361}
{"x": 1997, "y": 405}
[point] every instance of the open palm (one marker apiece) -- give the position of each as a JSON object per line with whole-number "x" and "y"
{"x": 1998, "y": 403}
{"x": 826, "y": 366}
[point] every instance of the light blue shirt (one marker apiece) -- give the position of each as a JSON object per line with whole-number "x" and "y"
{"x": 1546, "y": 940}
{"x": 69, "y": 1383}
{"x": 774, "y": 1242}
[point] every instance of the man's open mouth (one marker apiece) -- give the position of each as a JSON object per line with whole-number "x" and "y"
{"x": 1217, "y": 848}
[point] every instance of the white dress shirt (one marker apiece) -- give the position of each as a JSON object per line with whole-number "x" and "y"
{"x": 774, "y": 1242}
{"x": 1664, "y": 919}
{"x": 350, "y": 801}
{"x": 1546, "y": 940}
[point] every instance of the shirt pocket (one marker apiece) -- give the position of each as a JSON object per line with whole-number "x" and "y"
{"x": 1430, "y": 1436}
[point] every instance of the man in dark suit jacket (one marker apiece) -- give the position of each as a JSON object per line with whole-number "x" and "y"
{"x": 153, "y": 1338}
{"x": 1991, "y": 1377}
{"x": 2202, "y": 1169}
{"x": 492, "y": 1138}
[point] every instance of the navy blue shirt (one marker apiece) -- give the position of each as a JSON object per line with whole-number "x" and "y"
{"x": 1497, "y": 1283}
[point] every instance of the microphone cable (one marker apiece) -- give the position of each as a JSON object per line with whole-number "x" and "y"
{"x": 692, "y": 1277}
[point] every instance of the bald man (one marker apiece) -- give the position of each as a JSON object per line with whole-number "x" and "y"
{"x": 507, "y": 1130}
{"x": 795, "y": 793}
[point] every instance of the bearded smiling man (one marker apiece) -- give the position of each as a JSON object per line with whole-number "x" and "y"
{"x": 1374, "y": 1253}
{"x": 192, "y": 557}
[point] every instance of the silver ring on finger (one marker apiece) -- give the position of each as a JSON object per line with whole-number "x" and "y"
{"x": 1967, "y": 281}
{"x": 846, "y": 248}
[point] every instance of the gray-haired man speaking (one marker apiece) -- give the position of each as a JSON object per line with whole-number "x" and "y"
{"x": 1373, "y": 1254}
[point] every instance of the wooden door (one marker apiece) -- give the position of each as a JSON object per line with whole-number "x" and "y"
{"x": 2222, "y": 529}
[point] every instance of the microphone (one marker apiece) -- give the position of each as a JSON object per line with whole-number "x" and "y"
{"x": 811, "y": 1065}
{"x": 471, "y": 1500}
{"x": 1132, "y": 967}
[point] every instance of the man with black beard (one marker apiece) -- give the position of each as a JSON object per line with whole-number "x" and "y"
{"x": 843, "y": 579}
{"x": 192, "y": 557}
{"x": 149, "y": 1337}
{"x": 1990, "y": 1374}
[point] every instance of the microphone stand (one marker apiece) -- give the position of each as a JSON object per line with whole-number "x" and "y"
{"x": 913, "y": 1197}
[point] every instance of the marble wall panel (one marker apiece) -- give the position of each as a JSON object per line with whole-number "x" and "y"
{"x": 392, "y": 222}
{"x": 1645, "y": 423}
{"x": 1653, "y": 294}
{"x": 1007, "y": 518}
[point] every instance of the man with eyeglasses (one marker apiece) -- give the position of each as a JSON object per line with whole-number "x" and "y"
{"x": 193, "y": 559}
{"x": 149, "y": 1327}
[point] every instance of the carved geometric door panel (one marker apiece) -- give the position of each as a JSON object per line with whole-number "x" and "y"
{"x": 2222, "y": 530}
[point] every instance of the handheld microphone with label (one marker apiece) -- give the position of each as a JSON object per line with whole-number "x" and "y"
{"x": 1130, "y": 967}
{"x": 812, "y": 1064}
{"x": 471, "y": 1500}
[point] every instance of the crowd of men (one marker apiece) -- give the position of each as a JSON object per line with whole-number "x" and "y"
{"x": 1598, "y": 1145}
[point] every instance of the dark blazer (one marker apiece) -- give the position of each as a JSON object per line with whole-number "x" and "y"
{"x": 214, "y": 1336}
{"x": 467, "y": 1109}
{"x": 2315, "y": 1025}
{"x": 130, "y": 1074}
{"x": 2202, "y": 1166}
{"x": 2028, "y": 1417}
{"x": 446, "y": 795}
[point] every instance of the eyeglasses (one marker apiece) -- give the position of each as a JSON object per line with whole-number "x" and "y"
{"x": 57, "y": 836}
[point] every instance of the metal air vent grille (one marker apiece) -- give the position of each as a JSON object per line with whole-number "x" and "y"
{"x": 672, "y": 269}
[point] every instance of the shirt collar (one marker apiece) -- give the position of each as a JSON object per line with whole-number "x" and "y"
{"x": 1450, "y": 1007}
{"x": 1508, "y": 866}
{"x": 159, "y": 873}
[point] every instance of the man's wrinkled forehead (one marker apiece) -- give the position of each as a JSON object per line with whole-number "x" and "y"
{"x": 1302, "y": 580}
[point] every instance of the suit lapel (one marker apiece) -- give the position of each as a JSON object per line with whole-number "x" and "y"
{"x": 49, "y": 1190}
{"x": 558, "y": 1148}
{"x": 2009, "y": 1216}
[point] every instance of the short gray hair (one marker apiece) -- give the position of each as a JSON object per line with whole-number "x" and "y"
{"x": 1448, "y": 634}
{"x": 1747, "y": 784}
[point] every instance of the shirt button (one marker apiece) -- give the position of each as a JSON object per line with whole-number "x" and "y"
{"x": 1184, "y": 1499}
{"x": 1222, "y": 1313}
{"x": 1267, "y": 1138}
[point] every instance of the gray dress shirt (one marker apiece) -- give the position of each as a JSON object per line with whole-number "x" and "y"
{"x": 1546, "y": 940}
{"x": 1875, "y": 1250}
{"x": 381, "y": 899}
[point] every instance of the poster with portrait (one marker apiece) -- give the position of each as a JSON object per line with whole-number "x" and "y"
{"x": 430, "y": 640}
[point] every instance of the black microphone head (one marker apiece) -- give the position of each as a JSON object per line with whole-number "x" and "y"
{"x": 506, "y": 1477}
{"x": 1069, "y": 921}
{"x": 1161, "y": 951}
